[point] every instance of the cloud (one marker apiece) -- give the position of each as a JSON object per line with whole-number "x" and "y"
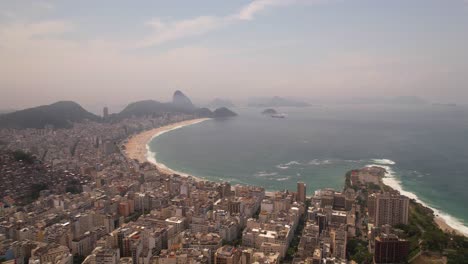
{"x": 164, "y": 31}
{"x": 172, "y": 30}
{"x": 249, "y": 11}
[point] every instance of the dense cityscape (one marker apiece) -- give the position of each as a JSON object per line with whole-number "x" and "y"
{"x": 72, "y": 195}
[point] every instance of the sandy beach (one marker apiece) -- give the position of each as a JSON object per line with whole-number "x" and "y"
{"x": 446, "y": 227}
{"x": 136, "y": 146}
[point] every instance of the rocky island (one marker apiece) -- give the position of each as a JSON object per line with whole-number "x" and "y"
{"x": 270, "y": 111}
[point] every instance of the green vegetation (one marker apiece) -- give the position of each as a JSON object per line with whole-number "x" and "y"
{"x": 297, "y": 235}
{"x": 358, "y": 251}
{"x": 348, "y": 181}
{"x": 458, "y": 250}
{"x": 36, "y": 189}
{"x": 133, "y": 217}
{"x": 235, "y": 243}
{"x": 256, "y": 214}
{"x": 20, "y": 155}
{"x": 74, "y": 187}
{"x": 373, "y": 187}
{"x": 424, "y": 234}
{"x": 59, "y": 115}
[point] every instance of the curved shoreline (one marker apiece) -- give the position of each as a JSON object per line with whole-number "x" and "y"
{"x": 444, "y": 221}
{"x": 137, "y": 147}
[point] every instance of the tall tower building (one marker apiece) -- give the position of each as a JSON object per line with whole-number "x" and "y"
{"x": 105, "y": 112}
{"x": 301, "y": 192}
{"x": 388, "y": 208}
{"x": 390, "y": 249}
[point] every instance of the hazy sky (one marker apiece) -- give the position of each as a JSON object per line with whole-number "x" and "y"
{"x": 116, "y": 51}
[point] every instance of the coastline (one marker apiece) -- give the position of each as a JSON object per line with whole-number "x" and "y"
{"x": 445, "y": 222}
{"x": 137, "y": 148}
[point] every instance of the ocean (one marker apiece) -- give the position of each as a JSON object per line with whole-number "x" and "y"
{"x": 424, "y": 149}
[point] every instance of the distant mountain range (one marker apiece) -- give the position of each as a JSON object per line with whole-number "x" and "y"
{"x": 64, "y": 114}
{"x": 180, "y": 104}
{"x": 398, "y": 100}
{"x": 61, "y": 115}
{"x": 218, "y": 102}
{"x": 275, "y": 102}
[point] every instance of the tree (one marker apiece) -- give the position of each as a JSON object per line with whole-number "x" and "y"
{"x": 20, "y": 155}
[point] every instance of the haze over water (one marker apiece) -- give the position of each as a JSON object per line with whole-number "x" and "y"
{"x": 424, "y": 148}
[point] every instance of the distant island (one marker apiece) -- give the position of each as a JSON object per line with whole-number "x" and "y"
{"x": 223, "y": 112}
{"x": 276, "y": 101}
{"x": 64, "y": 113}
{"x": 270, "y": 111}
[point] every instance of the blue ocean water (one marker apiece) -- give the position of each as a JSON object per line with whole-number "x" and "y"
{"x": 425, "y": 149}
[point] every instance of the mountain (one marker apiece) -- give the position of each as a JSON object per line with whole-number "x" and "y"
{"x": 203, "y": 112}
{"x": 181, "y": 101}
{"x": 218, "y": 102}
{"x": 148, "y": 107}
{"x": 223, "y": 112}
{"x": 399, "y": 100}
{"x": 60, "y": 115}
{"x": 276, "y": 102}
{"x": 64, "y": 113}
{"x": 180, "y": 104}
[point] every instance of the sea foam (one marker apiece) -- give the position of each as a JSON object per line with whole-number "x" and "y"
{"x": 317, "y": 162}
{"x": 384, "y": 161}
{"x": 265, "y": 174}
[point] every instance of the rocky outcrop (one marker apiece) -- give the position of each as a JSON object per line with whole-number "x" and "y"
{"x": 223, "y": 112}
{"x": 180, "y": 100}
{"x": 270, "y": 111}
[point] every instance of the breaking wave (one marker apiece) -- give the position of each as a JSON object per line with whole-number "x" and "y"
{"x": 318, "y": 162}
{"x": 283, "y": 179}
{"x": 265, "y": 174}
{"x": 383, "y": 161}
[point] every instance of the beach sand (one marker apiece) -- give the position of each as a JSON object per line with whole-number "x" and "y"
{"x": 135, "y": 148}
{"x": 445, "y": 227}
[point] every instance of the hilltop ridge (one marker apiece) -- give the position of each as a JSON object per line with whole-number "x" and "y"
{"x": 61, "y": 114}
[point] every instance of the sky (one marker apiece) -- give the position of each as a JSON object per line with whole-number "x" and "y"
{"x": 111, "y": 52}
